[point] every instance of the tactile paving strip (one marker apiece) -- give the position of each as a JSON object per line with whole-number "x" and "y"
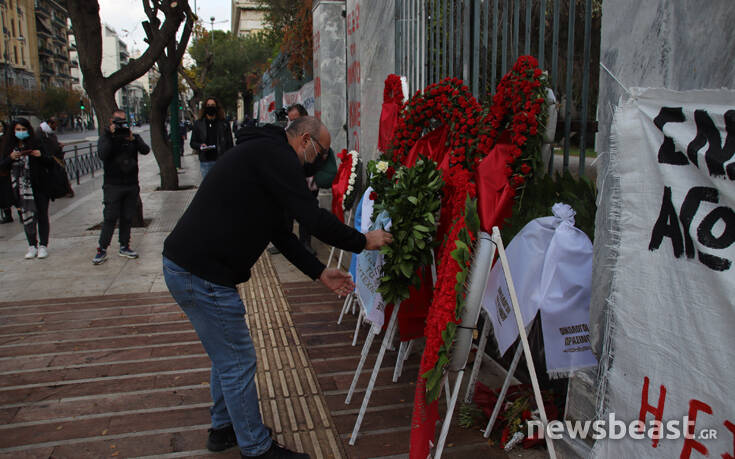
{"x": 290, "y": 398}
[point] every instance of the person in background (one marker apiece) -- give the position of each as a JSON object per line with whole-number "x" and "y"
{"x": 6, "y": 191}
{"x": 23, "y": 157}
{"x": 211, "y": 136}
{"x": 46, "y": 134}
{"x": 118, "y": 148}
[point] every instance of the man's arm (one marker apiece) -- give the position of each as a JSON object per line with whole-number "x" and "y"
{"x": 295, "y": 252}
{"x": 141, "y": 146}
{"x": 283, "y": 176}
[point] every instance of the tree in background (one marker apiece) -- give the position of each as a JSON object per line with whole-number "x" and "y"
{"x": 163, "y": 93}
{"x": 291, "y": 25}
{"x": 85, "y": 21}
{"x": 223, "y": 70}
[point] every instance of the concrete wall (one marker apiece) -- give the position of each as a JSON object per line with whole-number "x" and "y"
{"x": 329, "y": 68}
{"x": 377, "y": 61}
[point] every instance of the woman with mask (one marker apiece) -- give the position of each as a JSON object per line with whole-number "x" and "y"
{"x": 211, "y": 136}
{"x": 22, "y": 157}
{"x": 6, "y": 193}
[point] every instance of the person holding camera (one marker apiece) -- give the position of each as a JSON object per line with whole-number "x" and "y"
{"x": 118, "y": 148}
{"x": 211, "y": 136}
{"x": 26, "y": 164}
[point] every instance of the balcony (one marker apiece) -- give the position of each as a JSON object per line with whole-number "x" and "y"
{"x": 43, "y": 51}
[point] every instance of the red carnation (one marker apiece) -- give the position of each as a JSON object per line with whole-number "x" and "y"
{"x": 373, "y": 195}
{"x": 390, "y": 172}
{"x": 518, "y": 180}
{"x": 525, "y": 169}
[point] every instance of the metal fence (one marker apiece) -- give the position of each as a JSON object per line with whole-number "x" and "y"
{"x": 479, "y": 40}
{"x": 81, "y": 161}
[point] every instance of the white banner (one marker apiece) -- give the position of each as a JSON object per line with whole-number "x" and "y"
{"x": 551, "y": 265}
{"x": 672, "y": 302}
{"x": 369, "y": 272}
{"x": 306, "y": 97}
{"x": 255, "y": 110}
{"x": 267, "y": 108}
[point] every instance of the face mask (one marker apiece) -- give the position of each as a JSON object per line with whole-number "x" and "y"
{"x": 210, "y": 110}
{"x": 21, "y": 135}
{"x": 310, "y": 158}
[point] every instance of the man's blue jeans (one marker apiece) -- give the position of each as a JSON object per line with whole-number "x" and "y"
{"x": 205, "y": 167}
{"x": 218, "y": 316}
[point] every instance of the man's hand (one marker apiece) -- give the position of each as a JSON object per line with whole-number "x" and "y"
{"x": 377, "y": 239}
{"x": 337, "y": 281}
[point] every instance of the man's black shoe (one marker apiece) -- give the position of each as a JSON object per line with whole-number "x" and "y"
{"x": 277, "y": 451}
{"x": 221, "y": 439}
{"x": 225, "y": 438}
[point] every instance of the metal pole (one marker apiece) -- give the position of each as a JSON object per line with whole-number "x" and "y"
{"x": 569, "y": 90}
{"x": 585, "y": 83}
{"x": 542, "y": 32}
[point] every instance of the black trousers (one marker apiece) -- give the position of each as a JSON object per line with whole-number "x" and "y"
{"x": 37, "y": 228}
{"x": 120, "y": 203}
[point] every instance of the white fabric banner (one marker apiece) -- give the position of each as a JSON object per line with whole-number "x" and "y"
{"x": 551, "y": 265}
{"x": 369, "y": 272}
{"x": 306, "y": 97}
{"x": 290, "y": 98}
{"x": 266, "y": 110}
{"x": 671, "y": 331}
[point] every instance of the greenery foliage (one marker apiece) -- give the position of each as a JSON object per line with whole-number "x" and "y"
{"x": 229, "y": 63}
{"x": 542, "y": 193}
{"x": 411, "y": 198}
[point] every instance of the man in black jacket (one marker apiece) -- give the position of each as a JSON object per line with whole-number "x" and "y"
{"x": 118, "y": 148}
{"x": 211, "y": 136}
{"x": 235, "y": 213}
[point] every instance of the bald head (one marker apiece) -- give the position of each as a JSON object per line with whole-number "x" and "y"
{"x": 308, "y": 135}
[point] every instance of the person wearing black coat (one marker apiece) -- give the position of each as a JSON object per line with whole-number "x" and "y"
{"x": 46, "y": 135}
{"x": 211, "y": 136}
{"x": 23, "y": 158}
{"x": 236, "y": 212}
{"x": 119, "y": 148}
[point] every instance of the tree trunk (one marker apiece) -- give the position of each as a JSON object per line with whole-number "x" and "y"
{"x": 162, "y": 149}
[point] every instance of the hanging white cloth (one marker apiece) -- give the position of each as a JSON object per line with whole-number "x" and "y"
{"x": 551, "y": 266}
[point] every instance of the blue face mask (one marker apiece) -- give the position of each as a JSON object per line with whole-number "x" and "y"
{"x": 21, "y": 135}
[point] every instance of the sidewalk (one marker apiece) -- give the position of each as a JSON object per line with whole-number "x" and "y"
{"x": 68, "y": 271}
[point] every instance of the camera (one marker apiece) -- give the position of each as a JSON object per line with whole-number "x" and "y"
{"x": 122, "y": 127}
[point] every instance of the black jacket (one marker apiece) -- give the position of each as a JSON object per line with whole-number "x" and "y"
{"x": 239, "y": 208}
{"x": 199, "y": 137}
{"x": 120, "y": 158}
{"x": 38, "y": 165}
{"x": 50, "y": 144}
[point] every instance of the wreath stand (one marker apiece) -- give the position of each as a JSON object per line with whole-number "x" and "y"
{"x": 404, "y": 351}
{"x": 487, "y": 246}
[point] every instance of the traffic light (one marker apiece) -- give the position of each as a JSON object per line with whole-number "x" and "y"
{"x": 81, "y": 104}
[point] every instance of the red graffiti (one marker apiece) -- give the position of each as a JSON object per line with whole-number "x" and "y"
{"x": 690, "y": 443}
{"x": 657, "y": 411}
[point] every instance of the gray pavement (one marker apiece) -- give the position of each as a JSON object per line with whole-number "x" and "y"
{"x": 68, "y": 271}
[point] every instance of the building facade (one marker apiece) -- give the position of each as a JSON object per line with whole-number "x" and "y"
{"x": 18, "y": 48}
{"x": 52, "y": 28}
{"x": 247, "y": 17}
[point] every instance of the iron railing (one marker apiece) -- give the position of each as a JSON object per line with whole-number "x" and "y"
{"x": 479, "y": 40}
{"x": 81, "y": 161}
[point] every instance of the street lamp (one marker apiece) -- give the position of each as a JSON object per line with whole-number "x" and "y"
{"x": 211, "y": 20}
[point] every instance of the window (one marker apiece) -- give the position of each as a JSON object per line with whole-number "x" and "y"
{"x": 12, "y": 26}
{"x": 15, "y": 48}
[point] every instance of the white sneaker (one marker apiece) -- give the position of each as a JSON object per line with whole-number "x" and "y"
{"x": 42, "y": 251}
{"x": 32, "y": 252}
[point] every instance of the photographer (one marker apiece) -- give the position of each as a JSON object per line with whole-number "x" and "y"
{"x": 118, "y": 148}
{"x": 211, "y": 136}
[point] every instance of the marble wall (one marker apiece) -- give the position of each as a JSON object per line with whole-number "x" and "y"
{"x": 329, "y": 68}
